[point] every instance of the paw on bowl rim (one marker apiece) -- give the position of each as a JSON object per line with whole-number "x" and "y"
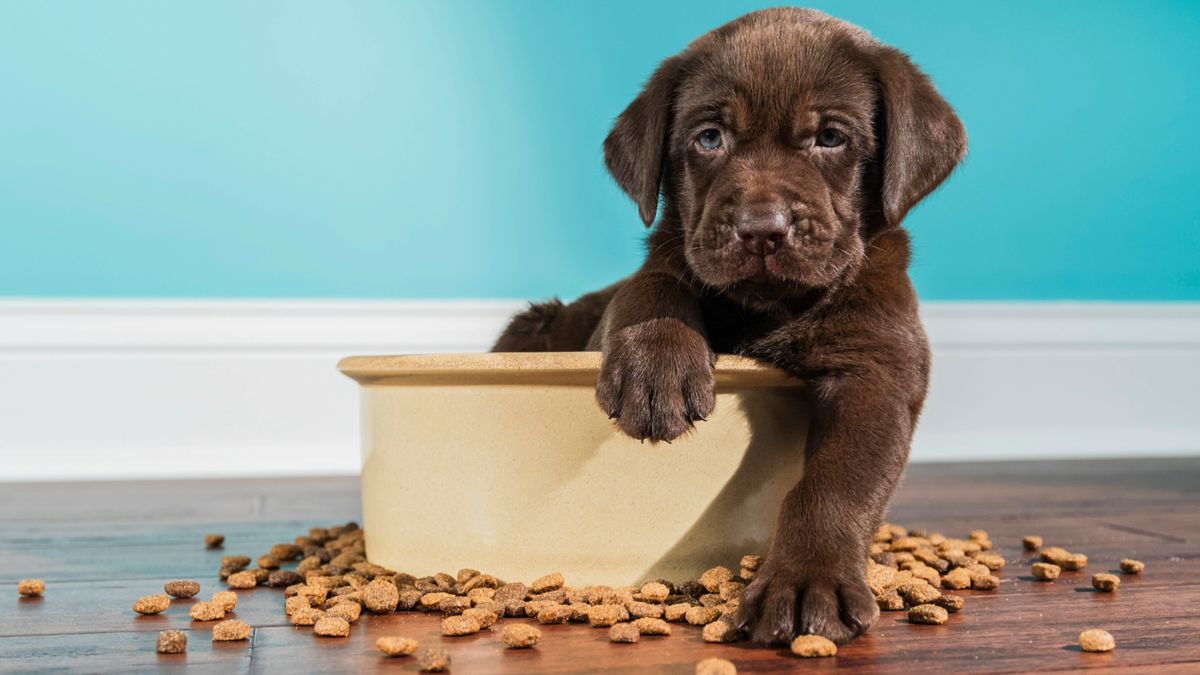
{"x": 554, "y": 368}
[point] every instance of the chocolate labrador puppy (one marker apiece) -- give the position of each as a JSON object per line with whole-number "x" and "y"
{"x": 787, "y": 147}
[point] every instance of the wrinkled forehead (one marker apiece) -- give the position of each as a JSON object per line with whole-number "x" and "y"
{"x": 764, "y": 78}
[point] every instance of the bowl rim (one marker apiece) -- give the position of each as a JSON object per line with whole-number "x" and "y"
{"x": 531, "y": 367}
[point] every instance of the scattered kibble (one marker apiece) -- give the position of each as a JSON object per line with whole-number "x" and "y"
{"x": 231, "y": 631}
{"x": 331, "y": 626}
{"x": 214, "y": 540}
{"x": 1043, "y": 571}
{"x": 171, "y": 642}
{"x": 226, "y": 600}
{"x": 31, "y": 588}
{"x": 931, "y": 614}
{"x": 624, "y": 632}
{"x": 520, "y": 635}
{"x": 392, "y": 645}
{"x": 715, "y": 666}
{"x": 1131, "y": 566}
{"x": 182, "y": 589}
{"x": 1105, "y": 583}
{"x": 433, "y": 659}
{"x": 813, "y": 646}
{"x": 206, "y": 611}
{"x": 1096, "y": 640}
{"x": 152, "y": 604}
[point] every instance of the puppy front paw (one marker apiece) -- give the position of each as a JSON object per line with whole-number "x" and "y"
{"x": 788, "y": 598}
{"x": 656, "y": 379}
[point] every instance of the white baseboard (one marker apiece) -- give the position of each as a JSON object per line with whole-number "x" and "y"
{"x": 118, "y": 389}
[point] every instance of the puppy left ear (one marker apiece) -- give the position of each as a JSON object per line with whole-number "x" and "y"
{"x": 921, "y": 137}
{"x": 635, "y": 150}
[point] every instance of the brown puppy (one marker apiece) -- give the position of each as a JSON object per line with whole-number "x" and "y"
{"x": 788, "y": 147}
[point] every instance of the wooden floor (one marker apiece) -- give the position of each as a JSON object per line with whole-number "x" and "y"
{"x": 100, "y": 546}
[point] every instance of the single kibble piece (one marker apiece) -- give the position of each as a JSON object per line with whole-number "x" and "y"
{"x": 719, "y": 631}
{"x": 993, "y": 561}
{"x": 550, "y": 582}
{"x": 396, "y": 646}
{"x": 242, "y": 580}
{"x": 350, "y": 611}
{"x": 1131, "y": 566}
{"x": 605, "y": 615}
{"x": 520, "y": 635}
{"x": 331, "y": 626}
{"x": 890, "y": 602}
{"x": 1031, "y": 542}
{"x": 950, "y": 602}
{"x": 1096, "y": 640}
{"x": 213, "y": 540}
{"x": 231, "y": 631}
{"x": 380, "y": 596}
{"x": 454, "y": 605}
{"x": 650, "y": 626}
{"x": 296, "y": 603}
{"x": 206, "y": 611}
{"x": 1076, "y": 561}
{"x": 31, "y": 588}
{"x": 655, "y": 592}
{"x": 226, "y": 600}
{"x": 956, "y": 579}
{"x": 624, "y": 632}
{"x": 931, "y": 614}
{"x": 643, "y": 609}
{"x": 171, "y": 642}
{"x": 284, "y": 578}
{"x": 486, "y": 618}
{"x": 713, "y": 578}
{"x": 152, "y": 604}
{"x": 1055, "y": 554}
{"x": 181, "y": 588}
{"x": 676, "y": 612}
{"x": 459, "y": 625}
{"x": 433, "y": 659}
{"x": 555, "y": 614}
{"x": 918, "y": 593}
{"x": 306, "y": 617}
{"x": 1105, "y": 583}
{"x": 1043, "y": 571}
{"x": 985, "y": 582}
{"x": 812, "y": 646}
{"x": 700, "y": 616}
{"x": 235, "y": 563}
{"x": 715, "y": 666}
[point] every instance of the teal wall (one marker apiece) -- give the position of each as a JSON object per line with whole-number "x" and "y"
{"x": 224, "y": 148}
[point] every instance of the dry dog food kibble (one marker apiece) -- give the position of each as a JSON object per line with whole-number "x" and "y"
{"x": 550, "y": 582}
{"x": 719, "y": 631}
{"x": 713, "y": 578}
{"x": 649, "y": 626}
{"x": 605, "y": 615}
{"x": 624, "y": 632}
{"x": 890, "y": 602}
{"x": 1075, "y": 561}
{"x": 380, "y": 596}
{"x": 931, "y": 614}
{"x": 520, "y": 635}
{"x": 1131, "y": 566}
{"x": 655, "y": 592}
{"x": 433, "y": 659}
{"x": 182, "y": 588}
{"x": 213, "y": 540}
{"x": 715, "y": 666}
{"x": 950, "y": 602}
{"x": 231, "y": 631}
{"x": 350, "y": 611}
{"x": 1031, "y": 542}
{"x": 331, "y": 626}
{"x": 1105, "y": 583}
{"x": 1043, "y": 571}
{"x": 242, "y": 580}
{"x": 555, "y": 613}
{"x": 152, "y": 604}
{"x": 307, "y": 616}
{"x": 459, "y": 625}
{"x": 206, "y": 611}
{"x": 396, "y": 646}
{"x": 31, "y": 588}
{"x": 1096, "y": 640}
{"x": 171, "y": 642}
{"x": 700, "y": 616}
{"x": 812, "y": 646}
{"x": 226, "y": 600}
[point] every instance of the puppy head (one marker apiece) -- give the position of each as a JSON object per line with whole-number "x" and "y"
{"x": 783, "y": 142}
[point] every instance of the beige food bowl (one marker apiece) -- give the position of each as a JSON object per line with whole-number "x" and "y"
{"x": 504, "y": 463}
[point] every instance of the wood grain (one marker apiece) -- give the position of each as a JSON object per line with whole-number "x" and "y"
{"x": 100, "y": 546}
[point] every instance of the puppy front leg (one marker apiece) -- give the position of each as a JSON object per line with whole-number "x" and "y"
{"x": 656, "y": 377}
{"x": 813, "y": 580}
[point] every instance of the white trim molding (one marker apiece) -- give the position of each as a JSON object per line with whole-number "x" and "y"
{"x": 95, "y": 389}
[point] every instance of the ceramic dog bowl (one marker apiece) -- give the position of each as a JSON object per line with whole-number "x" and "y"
{"x": 504, "y": 463}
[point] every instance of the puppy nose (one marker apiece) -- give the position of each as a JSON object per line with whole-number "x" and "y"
{"x": 761, "y": 230}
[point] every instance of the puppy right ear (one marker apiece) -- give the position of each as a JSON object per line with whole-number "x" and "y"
{"x": 635, "y": 150}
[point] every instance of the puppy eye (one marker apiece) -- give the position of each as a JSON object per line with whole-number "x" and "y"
{"x": 830, "y": 138}
{"x": 709, "y": 139}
